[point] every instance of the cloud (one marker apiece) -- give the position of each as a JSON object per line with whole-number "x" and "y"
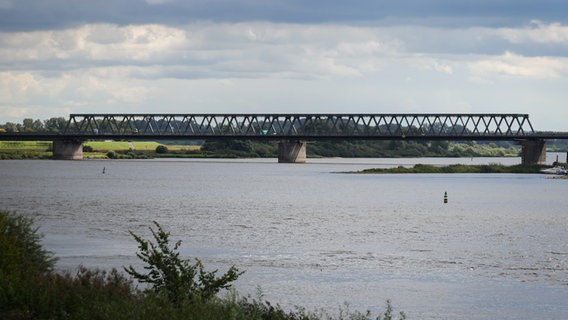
{"x": 201, "y": 50}
{"x": 513, "y": 65}
{"x": 263, "y": 66}
{"x": 539, "y": 32}
{"x": 268, "y": 50}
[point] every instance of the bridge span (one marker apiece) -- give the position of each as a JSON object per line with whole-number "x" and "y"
{"x": 293, "y": 131}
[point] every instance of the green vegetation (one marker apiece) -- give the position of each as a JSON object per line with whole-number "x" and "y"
{"x": 239, "y": 149}
{"x": 98, "y": 150}
{"x": 255, "y": 149}
{"x": 25, "y": 150}
{"x": 30, "y": 125}
{"x": 457, "y": 168}
{"x": 395, "y": 149}
{"x": 178, "y": 279}
{"x": 31, "y": 289}
{"x": 161, "y": 149}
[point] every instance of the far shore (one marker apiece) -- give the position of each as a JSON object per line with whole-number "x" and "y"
{"x": 456, "y": 168}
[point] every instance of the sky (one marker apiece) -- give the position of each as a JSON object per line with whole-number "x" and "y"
{"x": 284, "y": 56}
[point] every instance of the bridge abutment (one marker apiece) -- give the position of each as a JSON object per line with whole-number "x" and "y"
{"x": 292, "y": 152}
{"x": 533, "y": 152}
{"x": 68, "y": 149}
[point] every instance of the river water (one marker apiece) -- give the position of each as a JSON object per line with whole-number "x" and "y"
{"x": 309, "y": 236}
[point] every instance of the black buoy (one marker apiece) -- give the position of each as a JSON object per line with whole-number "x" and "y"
{"x": 104, "y": 170}
{"x": 446, "y": 197}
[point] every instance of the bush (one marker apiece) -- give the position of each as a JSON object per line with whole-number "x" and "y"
{"x": 161, "y": 149}
{"x": 22, "y": 260}
{"x": 179, "y": 280}
{"x": 87, "y": 148}
{"x": 112, "y": 155}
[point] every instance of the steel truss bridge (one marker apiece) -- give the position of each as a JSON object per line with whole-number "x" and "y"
{"x": 300, "y": 126}
{"x": 296, "y": 129}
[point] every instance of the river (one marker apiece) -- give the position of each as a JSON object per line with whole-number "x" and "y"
{"x": 312, "y": 237}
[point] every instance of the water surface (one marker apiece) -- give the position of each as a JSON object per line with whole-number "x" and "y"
{"x": 309, "y": 236}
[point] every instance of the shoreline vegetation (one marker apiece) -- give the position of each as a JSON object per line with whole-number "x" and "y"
{"x": 454, "y": 168}
{"x": 31, "y": 288}
{"x": 254, "y": 149}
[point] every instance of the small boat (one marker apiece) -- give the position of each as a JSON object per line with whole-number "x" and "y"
{"x": 560, "y": 170}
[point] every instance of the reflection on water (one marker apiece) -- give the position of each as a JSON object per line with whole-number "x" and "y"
{"x": 312, "y": 237}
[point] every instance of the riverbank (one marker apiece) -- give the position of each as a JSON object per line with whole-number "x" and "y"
{"x": 455, "y": 168}
{"x": 252, "y": 149}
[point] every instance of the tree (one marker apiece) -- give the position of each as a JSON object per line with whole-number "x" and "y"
{"x": 22, "y": 261}
{"x": 161, "y": 149}
{"x": 28, "y": 124}
{"x": 178, "y": 279}
{"x": 55, "y": 124}
{"x": 11, "y": 127}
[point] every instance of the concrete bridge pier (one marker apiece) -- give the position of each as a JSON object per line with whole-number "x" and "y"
{"x": 292, "y": 152}
{"x": 68, "y": 149}
{"x": 533, "y": 152}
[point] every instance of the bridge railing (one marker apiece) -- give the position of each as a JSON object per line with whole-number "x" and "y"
{"x": 301, "y": 126}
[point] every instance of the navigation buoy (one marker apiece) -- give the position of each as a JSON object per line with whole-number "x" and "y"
{"x": 104, "y": 170}
{"x": 446, "y": 197}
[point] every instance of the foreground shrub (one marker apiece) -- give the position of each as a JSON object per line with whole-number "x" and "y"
{"x": 177, "y": 278}
{"x": 22, "y": 260}
{"x": 87, "y": 294}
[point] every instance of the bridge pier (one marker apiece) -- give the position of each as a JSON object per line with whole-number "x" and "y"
{"x": 69, "y": 149}
{"x": 533, "y": 152}
{"x": 291, "y": 152}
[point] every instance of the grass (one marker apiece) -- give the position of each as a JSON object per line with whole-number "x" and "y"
{"x": 25, "y": 150}
{"x": 103, "y": 146}
{"x": 135, "y": 149}
{"x": 31, "y": 289}
{"x": 457, "y": 168}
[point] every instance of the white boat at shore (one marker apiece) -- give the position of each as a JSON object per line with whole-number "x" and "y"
{"x": 559, "y": 170}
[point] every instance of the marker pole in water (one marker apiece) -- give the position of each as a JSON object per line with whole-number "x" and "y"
{"x": 446, "y": 197}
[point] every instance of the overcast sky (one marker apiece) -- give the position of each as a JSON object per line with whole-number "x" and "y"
{"x": 277, "y": 56}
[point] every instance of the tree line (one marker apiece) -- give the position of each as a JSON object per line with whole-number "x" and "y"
{"x": 55, "y": 124}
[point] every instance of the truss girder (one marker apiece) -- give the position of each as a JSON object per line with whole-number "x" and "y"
{"x": 302, "y": 126}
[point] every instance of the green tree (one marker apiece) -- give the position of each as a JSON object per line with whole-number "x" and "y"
{"x": 22, "y": 260}
{"x": 227, "y": 145}
{"x": 37, "y": 126}
{"x": 55, "y": 124}
{"x": 161, "y": 149}
{"x": 11, "y": 127}
{"x": 178, "y": 279}
{"x": 28, "y": 124}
